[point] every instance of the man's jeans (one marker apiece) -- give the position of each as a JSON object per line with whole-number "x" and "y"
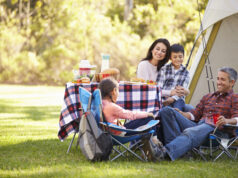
{"x": 180, "y": 104}
{"x": 181, "y": 134}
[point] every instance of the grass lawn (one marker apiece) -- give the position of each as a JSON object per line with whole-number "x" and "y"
{"x": 29, "y": 146}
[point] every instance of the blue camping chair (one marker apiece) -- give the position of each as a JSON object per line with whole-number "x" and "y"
{"x": 85, "y": 102}
{"x": 218, "y": 143}
{"x": 122, "y": 144}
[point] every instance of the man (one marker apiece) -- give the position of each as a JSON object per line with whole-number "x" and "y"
{"x": 181, "y": 133}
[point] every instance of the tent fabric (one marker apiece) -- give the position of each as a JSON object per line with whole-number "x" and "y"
{"x": 222, "y": 49}
{"x": 217, "y": 10}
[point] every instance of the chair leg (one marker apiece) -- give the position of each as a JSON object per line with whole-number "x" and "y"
{"x": 225, "y": 145}
{"x": 126, "y": 149}
{"x": 77, "y": 144}
{"x": 198, "y": 151}
{"x": 71, "y": 142}
{"x": 236, "y": 153}
{"x": 210, "y": 141}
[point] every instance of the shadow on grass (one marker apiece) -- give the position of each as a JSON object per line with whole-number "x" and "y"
{"x": 30, "y": 112}
{"x": 43, "y": 153}
{"x": 50, "y": 153}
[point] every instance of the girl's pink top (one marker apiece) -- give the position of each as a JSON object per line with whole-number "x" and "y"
{"x": 113, "y": 112}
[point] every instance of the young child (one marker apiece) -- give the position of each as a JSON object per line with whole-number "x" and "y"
{"x": 109, "y": 88}
{"x": 174, "y": 78}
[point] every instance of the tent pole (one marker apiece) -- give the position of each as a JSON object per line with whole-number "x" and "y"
{"x": 201, "y": 64}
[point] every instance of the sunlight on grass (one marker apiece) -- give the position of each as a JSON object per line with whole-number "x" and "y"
{"x": 11, "y": 115}
{"x": 33, "y": 96}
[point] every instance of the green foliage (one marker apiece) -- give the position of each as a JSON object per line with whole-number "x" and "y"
{"x": 43, "y": 40}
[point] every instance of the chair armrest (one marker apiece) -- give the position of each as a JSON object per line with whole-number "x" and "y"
{"x": 231, "y": 126}
{"x": 143, "y": 128}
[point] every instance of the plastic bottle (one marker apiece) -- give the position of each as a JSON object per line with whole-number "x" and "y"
{"x": 105, "y": 61}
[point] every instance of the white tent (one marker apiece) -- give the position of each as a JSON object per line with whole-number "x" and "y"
{"x": 219, "y": 30}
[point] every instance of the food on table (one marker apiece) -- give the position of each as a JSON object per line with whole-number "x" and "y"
{"x": 138, "y": 80}
{"x": 110, "y": 72}
{"x": 113, "y": 72}
{"x": 86, "y": 70}
{"x": 151, "y": 82}
{"x": 83, "y": 79}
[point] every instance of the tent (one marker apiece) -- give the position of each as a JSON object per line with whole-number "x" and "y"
{"x": 219, "y": 47}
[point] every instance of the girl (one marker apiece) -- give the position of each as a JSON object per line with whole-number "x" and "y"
{"x": 157, "y": 56}
{"x": 110, "y": 90}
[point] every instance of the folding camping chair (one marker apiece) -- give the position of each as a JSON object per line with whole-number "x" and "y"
{"x": 85, "y": 102}
{"x": 130, "y": 143}
{"x": 224, "y": 144}
{"x": 219, "y": 143}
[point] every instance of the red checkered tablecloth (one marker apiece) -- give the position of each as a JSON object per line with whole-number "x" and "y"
{"x": 139, "y": 97}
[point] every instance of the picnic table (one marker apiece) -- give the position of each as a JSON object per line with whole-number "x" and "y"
{"x": 136, "y": 97}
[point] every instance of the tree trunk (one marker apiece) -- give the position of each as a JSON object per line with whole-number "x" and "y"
{"x": 20, "y": 14}
{"x": 128, "y": 8}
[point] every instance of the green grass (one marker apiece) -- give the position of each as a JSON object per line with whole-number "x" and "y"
{"x": 29, "y": 146}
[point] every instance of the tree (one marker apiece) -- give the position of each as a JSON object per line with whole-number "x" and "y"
{"x": 128, "y": 8}
{"x": 43, "y": 40}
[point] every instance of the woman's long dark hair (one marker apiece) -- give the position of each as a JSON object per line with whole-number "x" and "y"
{"x": 167, "y": 56}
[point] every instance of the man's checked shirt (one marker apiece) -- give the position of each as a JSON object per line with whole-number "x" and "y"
{"x": 225, "y": 104}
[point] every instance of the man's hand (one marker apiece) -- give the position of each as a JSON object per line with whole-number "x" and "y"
{"x": 168, "y": 101}
{"x": 222, "y": 121}
{"x": 185, "y": 114}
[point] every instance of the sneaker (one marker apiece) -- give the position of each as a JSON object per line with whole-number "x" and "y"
{"x": 157, "y": 141}
{"x": 152, "y": 151}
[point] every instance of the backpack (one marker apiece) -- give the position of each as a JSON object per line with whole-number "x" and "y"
{"x": 95, "y": 144}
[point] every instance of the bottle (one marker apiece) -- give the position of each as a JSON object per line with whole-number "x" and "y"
{"x": 105, "y": 61}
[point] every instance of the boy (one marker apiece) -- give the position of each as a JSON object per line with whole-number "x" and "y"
{"x": 174, "y": 78}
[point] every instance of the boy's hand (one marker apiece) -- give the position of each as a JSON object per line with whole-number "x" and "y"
{"x": 180, "y": 90}
{"x": 174, "y": 92}
{"x": 168, "y": 101}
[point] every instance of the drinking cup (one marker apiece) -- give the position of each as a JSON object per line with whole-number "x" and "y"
{"x": 215, "y": 118}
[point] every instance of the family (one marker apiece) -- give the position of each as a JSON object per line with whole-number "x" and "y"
{"x": 184, "y": 127}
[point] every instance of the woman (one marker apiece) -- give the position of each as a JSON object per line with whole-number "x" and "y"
{"x": 157, "y": 56}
